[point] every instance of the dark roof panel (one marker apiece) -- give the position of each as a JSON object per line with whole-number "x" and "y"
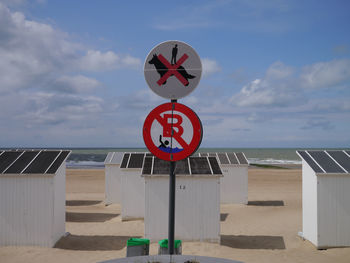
{"x": 42, "y": 162}
{"x": 232, "y": 158}
{"x": 57, "y": 163}
{"x": 223, "y": 158}
{"x": 241, "y": 158}
{"x": 342, "y": 158}
{"x": 214, "y": 165}
{"x": 125, "y": 160}
{"x": 147, "y": 165}
{"x": 22, "y": 162}
{"x": 204, "y": 154}
{"x": 199, "y": 165}
{"x": 325, "y": 162}
{"x": 310, "y": 162}
{"x": 212, "y": 154}
{"x": 160, "y": 166}
{"x": 7, "y": 158}
{"x": 182, "y": 167}
{"x": 136, "y": 160}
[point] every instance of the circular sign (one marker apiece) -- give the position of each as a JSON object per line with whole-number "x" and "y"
{"x": 173, "y": 69}
{"x": 172, "y": 131}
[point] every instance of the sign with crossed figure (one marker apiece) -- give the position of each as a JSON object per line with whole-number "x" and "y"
{"x": 173, "y": 69}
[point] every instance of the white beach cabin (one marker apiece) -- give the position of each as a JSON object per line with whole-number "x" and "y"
{"x": 326, "y": 197}
{"x": 113, "y": 187}
{"x": 234, "y": 183}
{"x": 132, "y": 186}
{"x": 32, "y": 197}
{"x": 197, "y": 212}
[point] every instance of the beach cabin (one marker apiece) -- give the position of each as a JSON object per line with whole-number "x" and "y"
{"x": 326, "y": 198}
{"x": 132, "y": 186}
{"x": 234, "y": 183}
{"x": 113, "y": 188}
{"x": 197, "y": 212}
{"x": 32, "y": 197}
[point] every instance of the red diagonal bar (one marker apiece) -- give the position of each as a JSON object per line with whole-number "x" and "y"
{"x": 172, "y": 69}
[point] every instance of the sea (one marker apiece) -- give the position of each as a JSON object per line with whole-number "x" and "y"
{"x": 93, "y": 158}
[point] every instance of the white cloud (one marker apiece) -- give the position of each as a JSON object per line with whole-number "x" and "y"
{"x": 75, "y": 84}
{"x": 276, "y": 88}
{"x": 326, "y": 74}
{"x": 34, "y": 53}
{"x": 209, "y": 67}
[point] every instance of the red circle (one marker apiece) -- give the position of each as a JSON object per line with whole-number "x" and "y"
{"x": 197, "y": 131}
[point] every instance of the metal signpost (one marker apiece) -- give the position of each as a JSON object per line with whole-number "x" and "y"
{"x": 172, "y": 131}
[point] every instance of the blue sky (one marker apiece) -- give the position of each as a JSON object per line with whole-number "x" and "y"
{"x": 275, "y": 73}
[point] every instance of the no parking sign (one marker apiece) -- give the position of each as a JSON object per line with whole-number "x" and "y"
{"x": 172, "y": 131}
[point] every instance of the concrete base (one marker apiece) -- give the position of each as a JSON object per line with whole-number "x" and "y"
{"x": 172, "y": 259}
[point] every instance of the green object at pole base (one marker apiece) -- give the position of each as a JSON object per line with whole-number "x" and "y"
{"x": 164, "y": 243}
{"x": 137, "y": 242}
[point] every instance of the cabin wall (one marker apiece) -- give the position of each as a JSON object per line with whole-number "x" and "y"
{"x": 112, "y": 184}
{"x": 197, "y": 208}
{"x": 234, "y": 184}
{"x": 26, "y": 210}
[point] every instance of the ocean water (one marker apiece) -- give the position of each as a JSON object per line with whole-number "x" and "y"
{"x": 94, "y": 157}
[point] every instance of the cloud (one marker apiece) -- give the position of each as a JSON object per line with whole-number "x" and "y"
{"x": 274, "y": 89}
{"x": 209, "y": 67}
{"x": 75, "y": 84}
{"x": 34, "y": 54}
{"x": 326, "y": 74}
{"x": 318, "y": 123}
{"x": 95, "y": 60}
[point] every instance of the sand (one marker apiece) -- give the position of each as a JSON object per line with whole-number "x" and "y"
{"x": 263, "y": 231}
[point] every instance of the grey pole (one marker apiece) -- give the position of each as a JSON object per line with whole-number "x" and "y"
{"x": 171, "y": 232}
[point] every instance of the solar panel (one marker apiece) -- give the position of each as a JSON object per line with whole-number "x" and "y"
{"x": 42, "y": 162}
{"x": 22, "y": 162}
{"x": 214, "y": 165}
{"x": 117, "y": 158}
{"x": 200, "y": 165}
{"x": 109, "y": 157}
{"x": 195, "y": 155}
{"x": 147, "y": 165}
{"x": 149, "y": 154}
{"x": 341, "y": 158}
{"x": 310, "y": 162}
{"x": 125, "y": 160}
{"x": 182, "y": 167}
{"x": 203, "y": 154}
{"x": 7, "y": 158}
{"x": 136, "y": 160}
{"x": 325, "y": 162}
{"x": 232, "y": 158}
{"x": 241, "y": 158}
{"x": 57, "y": 163}
{"x": 160, "y": 166}
{"x": 212, "y": 154}
{"x": 223, "y": 158}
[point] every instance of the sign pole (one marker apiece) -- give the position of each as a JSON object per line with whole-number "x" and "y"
{"x": 171, "y": 232}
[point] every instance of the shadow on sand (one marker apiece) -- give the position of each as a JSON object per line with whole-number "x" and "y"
{"x": 267, "y": 203}
{"x": 89, "y": 217}
{"x": 82, "y": 202}
{"x": 253, "y": 242}
{"x": 92, "y": 243}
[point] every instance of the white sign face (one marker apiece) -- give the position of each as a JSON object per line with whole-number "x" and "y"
{"x": 173, "y": 69}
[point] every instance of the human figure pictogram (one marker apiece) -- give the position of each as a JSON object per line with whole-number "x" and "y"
{"x": 173, "y": 55}
{"x": 163, "y": 144}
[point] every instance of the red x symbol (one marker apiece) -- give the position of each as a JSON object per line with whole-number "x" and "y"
{"x": 172, "y": 70}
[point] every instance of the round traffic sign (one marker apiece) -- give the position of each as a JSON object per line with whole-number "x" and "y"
{"x": 173, "y": 69}
{"x": 172, "y": 131}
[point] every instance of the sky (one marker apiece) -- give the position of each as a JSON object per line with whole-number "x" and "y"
{"x": 275, "y": 73}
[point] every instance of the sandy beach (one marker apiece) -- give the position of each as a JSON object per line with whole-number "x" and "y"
{"x": 265, "y": 230}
